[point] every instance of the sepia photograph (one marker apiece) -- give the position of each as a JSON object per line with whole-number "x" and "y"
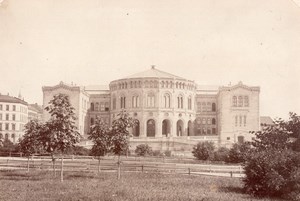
{"x": 134, "y": 100}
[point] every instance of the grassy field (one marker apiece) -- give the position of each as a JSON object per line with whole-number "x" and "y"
{"x": 40, "y": 185}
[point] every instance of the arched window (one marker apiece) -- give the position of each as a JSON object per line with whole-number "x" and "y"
{"x": 203, "y": 107}
{"x": 114, "y": 103}
{"x": 135, "y": 101}
{"x": 241, "y": 139}
{"x": 97, "y": 107}
{"x": 13, "y": 138}
{"x": 136, "y": 129}
{"x": 92, "y": 107}
{"x": 213, "y": 121}
{"x": 6, "y": 136}
{"x": 234, "y": 101}
{"x": 123, "y": 102}
{"x": 213, "y": 107}
{"x": 150, "y": 128}
{"x": 180, "y": 101}
{"x": 246, "y": 101}
{"x": 151, "y": 100}
{"x": 189, "y": 103}
{"x": 1, "y": 135}
{"x": 92, "y": 121}
{"x": 167, "y": 101}
{"x": 240, "y": 101}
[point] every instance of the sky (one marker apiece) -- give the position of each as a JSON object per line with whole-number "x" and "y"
{"x": 92, "y": 42}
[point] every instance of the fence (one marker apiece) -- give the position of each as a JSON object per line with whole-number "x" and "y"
{"x": 128, "y": 165}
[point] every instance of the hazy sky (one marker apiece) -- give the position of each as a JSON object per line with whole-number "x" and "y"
{"x": 92, "y": 42}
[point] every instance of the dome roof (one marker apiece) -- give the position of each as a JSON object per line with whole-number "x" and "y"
{"x": 153, "y": 73}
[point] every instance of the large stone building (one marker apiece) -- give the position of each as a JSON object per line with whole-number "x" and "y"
{"x": 173, "y": 112}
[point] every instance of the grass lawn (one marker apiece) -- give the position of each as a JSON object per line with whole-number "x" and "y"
{"x": 40, "y": 185}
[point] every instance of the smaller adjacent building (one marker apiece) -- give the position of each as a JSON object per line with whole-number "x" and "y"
{"x": 13, "y": 117}
{"x": 35, "y": 111}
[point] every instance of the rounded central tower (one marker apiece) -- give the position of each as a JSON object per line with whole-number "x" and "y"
{"x": 162, "y": 103}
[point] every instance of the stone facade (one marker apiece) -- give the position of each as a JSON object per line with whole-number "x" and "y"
{"x": 174, "y": 113}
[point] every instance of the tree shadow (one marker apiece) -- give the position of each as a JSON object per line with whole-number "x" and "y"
{"x": 232, "y": 189}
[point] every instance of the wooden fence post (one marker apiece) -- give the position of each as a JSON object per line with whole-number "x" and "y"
{"x": 231, "y": 174}
{"x": 142, "y": 168}
{"x": 189, "y": 171}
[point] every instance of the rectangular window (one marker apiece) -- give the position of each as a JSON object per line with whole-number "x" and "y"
{"x": 6, "y": 126}
{"x": 114, "y": 103}
{"x": 14, "y": 108}
{"x": 1, "y": 107}
{"x": 241, "y": 119}
{"x": 150, "y": 101}
{"x": 0, "y": 126}
{"x": 236, "y": 121}
{"x": 245, "y": 120}
{"x": 7, "y": 107}
{"x": 13, "y": 127}
{"x": 102, "y": 106}
{"x": 199, "y": 106}
{"x": 14, "y": 117}
{"x": 106, "y": 106}
{"x": 213, "y": 131}
{"x": 0, "y": 116}
{"x": 7, "y": 117}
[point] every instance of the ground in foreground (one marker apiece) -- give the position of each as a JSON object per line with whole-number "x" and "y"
{"x": 40, "y": 185}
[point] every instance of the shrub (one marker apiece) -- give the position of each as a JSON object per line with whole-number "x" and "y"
{"x": 157, "y": 153}
{"x": 221, "y": 154}
{"x": 273, "y": 172}
{"x": 143, "y": 150}
{"x": 168, "y": 153}
{"x": 203, "y": 150}
{"x": 238, "y": 152}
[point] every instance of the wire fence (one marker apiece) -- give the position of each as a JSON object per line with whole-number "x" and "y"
{"x": 129, "y": 164}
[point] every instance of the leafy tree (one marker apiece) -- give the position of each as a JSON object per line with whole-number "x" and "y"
{"x": 221, "y": 154}
{"x": 30, "y": 142}
{"x": 8, "y": 146}
{"x": 273, "y": 166}
{"x": 143, "y": 150}
{"x": 238, "y": 152}
{"x": 203, "y": 150}
{"x": 120, "y": 135}
{"x": 100, "y": 135}
{"x": 61, "y": 132}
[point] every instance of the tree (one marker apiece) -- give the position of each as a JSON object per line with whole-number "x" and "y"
{"x": 8, "y": 146}
{"x": 143, "y": 150}
{"x": 30, "y": 142}
{"x": 238, "y": 152}
{"x": 100, "y": 135}
{"x": 120, "y": 135}
{"x": 61, "y": 132}
{"x": 221, "y": 154}
{"x": 272, "y": 168}
{"x": 203, "y": 150}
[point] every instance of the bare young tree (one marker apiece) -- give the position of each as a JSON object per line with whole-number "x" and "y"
{"x": 100, "y": 135}
{"x": 62, "y": 132}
